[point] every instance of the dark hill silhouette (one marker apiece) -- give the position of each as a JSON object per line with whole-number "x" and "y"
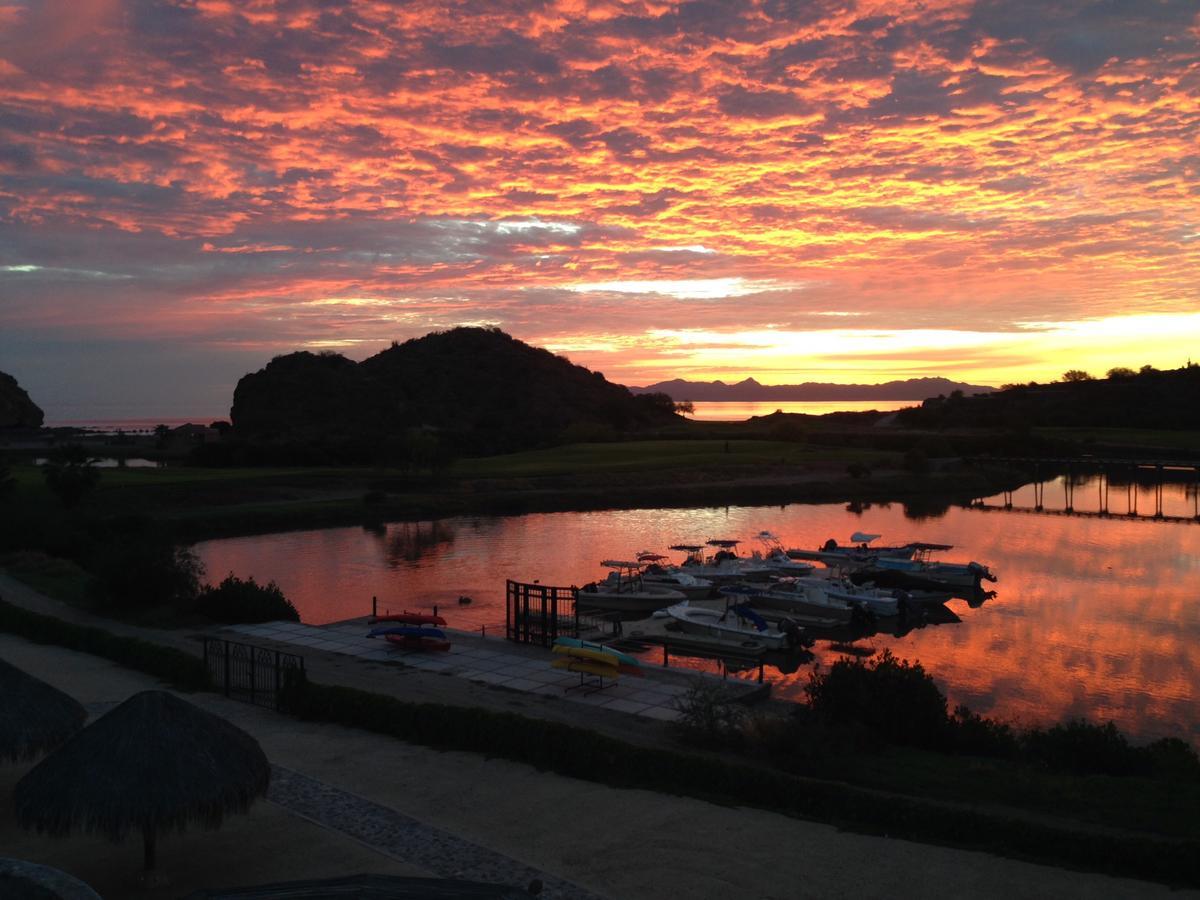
{"x": 16, "y": 409}
{"x": 749, "y": 390}
{"x": 1151, "y": 399}
{"x": 481, "y": 389}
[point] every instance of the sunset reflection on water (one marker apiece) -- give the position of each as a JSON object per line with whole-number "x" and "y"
{"x": 1092, "y": 617}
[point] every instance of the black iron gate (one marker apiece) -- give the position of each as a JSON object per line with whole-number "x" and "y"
{"x": 538, "y": 613}
{"x": 254, "y": 674}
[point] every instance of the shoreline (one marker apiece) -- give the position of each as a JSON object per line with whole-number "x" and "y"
{"x": 549, "y": 494}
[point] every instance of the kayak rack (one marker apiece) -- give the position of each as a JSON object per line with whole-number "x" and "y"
{"x": 590, "y": 684}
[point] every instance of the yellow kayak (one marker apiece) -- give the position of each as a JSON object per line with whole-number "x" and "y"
{"x": 586, "y": 666}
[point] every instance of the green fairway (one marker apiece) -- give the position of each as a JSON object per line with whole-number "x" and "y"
{"x": 630, "y": 456}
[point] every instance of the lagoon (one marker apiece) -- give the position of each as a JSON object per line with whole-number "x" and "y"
{"x": 1094, "y": 617}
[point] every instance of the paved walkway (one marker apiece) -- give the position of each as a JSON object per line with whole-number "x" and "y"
{"x": 498, "y": 662}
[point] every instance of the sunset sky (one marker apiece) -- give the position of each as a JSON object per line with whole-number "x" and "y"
{"x": 994, "y": 191}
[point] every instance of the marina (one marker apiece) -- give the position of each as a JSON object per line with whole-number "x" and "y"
{"x": 1091, "y": 617}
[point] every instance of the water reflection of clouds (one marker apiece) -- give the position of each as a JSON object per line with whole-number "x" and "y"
{"x": 1096, "y": 617}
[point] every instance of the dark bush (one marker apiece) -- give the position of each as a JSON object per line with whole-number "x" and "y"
{"x": 235, "y": 601}
{"x": 1173, "y": 758}
{"x": 1083, "y": 748}
{"x": 974, "y": 735}
{"x": 141, "y": 569}
{"x": 710, "y": 716}
{"x": 70, "y": 474}
{"x": 895, "y": 699}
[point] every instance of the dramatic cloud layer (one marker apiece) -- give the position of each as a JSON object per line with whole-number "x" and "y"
{"x": 996, "y": 189}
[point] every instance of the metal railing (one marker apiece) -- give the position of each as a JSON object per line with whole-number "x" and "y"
{"x": 254, "y": 674}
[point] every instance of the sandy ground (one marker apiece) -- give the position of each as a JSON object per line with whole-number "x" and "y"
{"x": 617, "y": 843}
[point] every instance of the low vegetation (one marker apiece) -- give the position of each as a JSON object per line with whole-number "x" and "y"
{"x": 235, "y": 601}
{"x": 884, "y": 723}
{"x": 181, "y": 669}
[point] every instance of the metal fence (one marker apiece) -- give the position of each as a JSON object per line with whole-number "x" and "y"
{"x": 254, "y": 674}
{"x": 539, "y": 613}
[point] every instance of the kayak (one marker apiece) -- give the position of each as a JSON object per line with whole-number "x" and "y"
{"x": 409, "y": 618}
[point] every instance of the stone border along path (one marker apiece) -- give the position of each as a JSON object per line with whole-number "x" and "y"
{"x": 407, "y": 839}
{"x": 493, "y": 661}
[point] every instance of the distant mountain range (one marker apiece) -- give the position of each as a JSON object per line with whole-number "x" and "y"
{"x": 750, "y": 390}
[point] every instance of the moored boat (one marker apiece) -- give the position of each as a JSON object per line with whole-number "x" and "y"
{"x": 657, "y": 572}
{"x": 795, "y": 598}
{"x": 737, "y": 624}
{"x": 624, "y": 591}
{"x": 859, "y": 550}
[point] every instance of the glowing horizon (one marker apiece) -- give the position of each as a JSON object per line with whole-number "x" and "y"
{"x": 990, "y": 191}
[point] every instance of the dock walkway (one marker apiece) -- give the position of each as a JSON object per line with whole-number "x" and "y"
{"x": 499, "y": 663}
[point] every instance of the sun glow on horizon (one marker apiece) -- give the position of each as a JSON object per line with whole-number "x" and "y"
{"x": 662, "y": 190}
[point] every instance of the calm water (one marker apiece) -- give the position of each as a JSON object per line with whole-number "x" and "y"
{"x": 729, "y": 411}
{"x": 1092, "y": 617}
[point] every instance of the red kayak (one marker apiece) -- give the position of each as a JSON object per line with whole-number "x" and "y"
{"x": 410, "y": 618}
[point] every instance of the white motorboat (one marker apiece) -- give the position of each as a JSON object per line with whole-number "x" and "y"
{"x": 723, "y": 566}
{"x": 737, "y": 624}
{"x": 796, "y": 598}
{"x": 775, "y": 559}
{"x": 661, "y": 575}
{"x": 923, "y": 572}
{"x": 624, "y": 591}
{"x": 880, "y": 601}
{"x": 859, "y": 551}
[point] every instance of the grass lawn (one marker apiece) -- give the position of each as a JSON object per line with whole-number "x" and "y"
{"x": 632, "y": 456}
{"x": 1129, "y": 437}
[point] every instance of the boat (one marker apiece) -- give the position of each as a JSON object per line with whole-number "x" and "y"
{"x": 624, "y": 591}
{"x": 867, "y": 596}
{"x": 656, "y": 572}
{"x": 723, "y": 566}
{"x": 859, "y": 550}
{"x": 921, "y": 572}
{"x": 775, "y": 559}
{"x": 738, "y": 624}
{"x": 795, "y": 598}
{"x": 409, "y": 618}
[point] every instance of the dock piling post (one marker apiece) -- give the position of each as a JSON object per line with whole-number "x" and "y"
{"x": 374, "y": 606}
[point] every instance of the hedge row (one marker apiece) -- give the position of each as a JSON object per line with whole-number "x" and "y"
{"x": 584, "y": 754}
{"x": 181, "y": 669}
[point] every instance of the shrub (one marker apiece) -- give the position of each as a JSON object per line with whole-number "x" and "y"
{"x": 895, "y": 699}
{"x": 974, "y": 735}
{"x": 1084, "y": 749}
{"x": 1173, "y": 758}
{"x": 709, "y": 715}
{"x": 70, "y": 474}
{"x": 235, "y": 601}
{"x": 144, "y": 570}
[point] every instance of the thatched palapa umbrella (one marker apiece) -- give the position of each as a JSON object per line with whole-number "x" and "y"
{"x": 154, "y": 764}
{"x": 34, "y": 717}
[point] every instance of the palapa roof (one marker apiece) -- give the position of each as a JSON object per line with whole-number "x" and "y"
{"x": 155, "y": 763}
{"x": 34, "y": 716}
